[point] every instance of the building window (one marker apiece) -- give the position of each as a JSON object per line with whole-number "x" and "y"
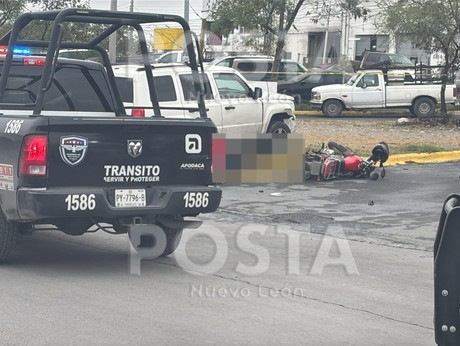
{"x": 373, "y": 43}
{"x": 316, "y": 41}
{"x": 408, "y": 49}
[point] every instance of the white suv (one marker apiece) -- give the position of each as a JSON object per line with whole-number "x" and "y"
{"x": 259, "y": 67}
{"x": 172, "y": 57}
{"x": 232, "y": 104}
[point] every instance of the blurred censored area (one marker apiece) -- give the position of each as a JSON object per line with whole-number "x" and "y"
{"x": 257, "y": 159}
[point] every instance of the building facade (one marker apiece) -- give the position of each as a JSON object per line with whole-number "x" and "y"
{"x": 340, "y": 37}
{"x": 335, "y": 37}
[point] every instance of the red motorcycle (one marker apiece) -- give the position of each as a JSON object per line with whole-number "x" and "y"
{"x": 335, "y": 161}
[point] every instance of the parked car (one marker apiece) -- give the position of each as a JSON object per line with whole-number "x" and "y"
{"x": 368, "y": 89}
{"x": 231, "y": 103}
{"x": 259, "y": 68}
{"x": 457, "y": 79}
{"x": 300, "y": 86}
{"x": 172, "y": 56}
{"x": 227, "y": 61}
{"x": 399, "y": 66}
{"x": 344, "y": 66}
{"x": 378, "y": 59}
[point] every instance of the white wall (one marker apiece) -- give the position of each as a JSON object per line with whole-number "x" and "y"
{"x": 297, "y": 42}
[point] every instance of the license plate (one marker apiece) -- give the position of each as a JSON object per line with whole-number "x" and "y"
{"x": 127, "y": 198}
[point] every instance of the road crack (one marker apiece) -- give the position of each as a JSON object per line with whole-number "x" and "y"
{"x": 305, "y": 297}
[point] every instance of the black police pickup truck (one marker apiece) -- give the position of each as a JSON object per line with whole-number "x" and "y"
{"x": 71, "y": 157}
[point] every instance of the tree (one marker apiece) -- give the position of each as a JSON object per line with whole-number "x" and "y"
{"x": 318, "y": 10}
{"x": 42, "y": 30}
{"x": 431, "y": 25}
{"x": 274, "y": 18}
{"x": 9, "y": 10}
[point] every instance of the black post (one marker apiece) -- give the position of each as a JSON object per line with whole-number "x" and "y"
{"x": 447, "y": 274}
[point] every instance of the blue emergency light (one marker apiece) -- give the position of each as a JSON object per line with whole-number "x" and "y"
{"x": 21, "y": 51}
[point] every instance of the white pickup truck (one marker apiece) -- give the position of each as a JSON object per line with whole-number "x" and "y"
{"x": 232, "y": 104}
{"x": 368, "y": 90}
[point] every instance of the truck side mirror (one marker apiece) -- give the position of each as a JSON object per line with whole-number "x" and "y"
{"x": 364, "y": 86}
{"x": 257, "y": 93}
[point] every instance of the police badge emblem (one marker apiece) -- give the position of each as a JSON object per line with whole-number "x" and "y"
{"x": 73, "y": 149}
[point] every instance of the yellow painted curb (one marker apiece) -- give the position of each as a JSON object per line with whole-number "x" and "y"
{"x": 346, "y": 113}
{"x": 423, "y": 158}
{"x": 316, "y": 113}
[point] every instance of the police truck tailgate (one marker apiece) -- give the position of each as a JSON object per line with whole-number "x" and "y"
{"x": 130, "y": 151}
{"x": 154, "y": 165}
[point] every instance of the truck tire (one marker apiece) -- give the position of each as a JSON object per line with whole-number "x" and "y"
{"x": 8, "y": 233}
{"x": 332, "y": 108}
{"x": 278, "y": 127}
{"x": 412, "y": 112}
{"x": 424, "y": 107}
{"x": 173, "y": 236}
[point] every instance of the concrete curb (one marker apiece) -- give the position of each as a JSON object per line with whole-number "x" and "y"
{"x": 307, "y": 113}
{"x": 347, "y": 113}
{"x": 443, "y": 156}
{"x": 401, "y": 159}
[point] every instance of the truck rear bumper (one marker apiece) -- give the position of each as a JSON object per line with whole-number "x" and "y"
{"x": 42, "y": 204}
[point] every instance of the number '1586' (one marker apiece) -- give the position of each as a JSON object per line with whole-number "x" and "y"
{"x": 13, "y": 126}
{"x": 196, "y": 199}
{"x": 81, "y": 202}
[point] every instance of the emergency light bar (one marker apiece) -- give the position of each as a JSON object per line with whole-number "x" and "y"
{"x": 16, "y": 50}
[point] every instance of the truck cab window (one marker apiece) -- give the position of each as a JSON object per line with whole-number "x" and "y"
{"x": 231, "y": 86}
{"x": 125, "y": 87}
{"x": 189, "y": 90}
{"x": 73, "y": 88}
{"x": 371, "y": 80}
{"x": 313, "y": 79}
{"x": 164, "y": 86}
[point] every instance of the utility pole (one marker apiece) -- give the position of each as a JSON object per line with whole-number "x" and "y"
{"x": 186, "y": 10}
{"x": 131, "y": 45}
{"x": 202, "y": 34}
{"x": 204, "y": 24}
{"x": 327, "y": 32}
{"x": 113, "y": 37}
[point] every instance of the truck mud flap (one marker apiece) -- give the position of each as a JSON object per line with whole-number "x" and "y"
{"x": 447, "y": 274}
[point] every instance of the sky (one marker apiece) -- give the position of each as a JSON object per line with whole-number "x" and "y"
{"x": 175, "y": 7}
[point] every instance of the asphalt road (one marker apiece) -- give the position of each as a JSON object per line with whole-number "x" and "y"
{"x": 345, "y": 262}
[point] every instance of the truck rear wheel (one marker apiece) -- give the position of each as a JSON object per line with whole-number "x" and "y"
{"x": 332, "y": 108}
{"x": 279, "y": 127}
{"x": 173, "y": 236}
{"x": 8, "y": 233}
{"x": 424, "y": 107}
